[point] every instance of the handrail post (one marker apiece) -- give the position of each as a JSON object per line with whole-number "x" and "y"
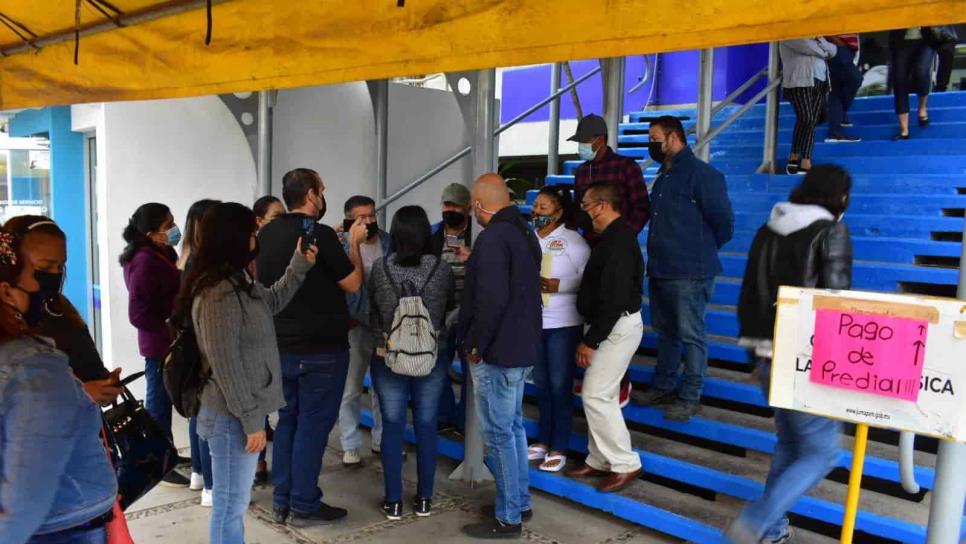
{"x": 553, "y": 133}
{"x": 771, "y": 115}
{"x": 705, "y": 95}
{"x": 949, "y": 493}
{"x": 379, "y": 93}
{"x": 613, "y": 79}
{"x": 266, "y": 101}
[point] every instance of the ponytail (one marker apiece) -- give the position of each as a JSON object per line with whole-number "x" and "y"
{"x": 147, "y": 219}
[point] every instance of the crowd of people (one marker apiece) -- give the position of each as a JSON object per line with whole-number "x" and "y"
{"x": 290, "y": 314}
{"x": 821, "y": 77}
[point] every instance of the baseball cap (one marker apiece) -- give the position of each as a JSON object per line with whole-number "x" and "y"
{"x": 456, "y": 193}
{"x": 589, "y": 128}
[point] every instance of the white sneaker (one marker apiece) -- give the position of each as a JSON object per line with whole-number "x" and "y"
{"x": 206, "y": 498}
{"x": 351, "y": 457}
{"x": 197, "y": 482}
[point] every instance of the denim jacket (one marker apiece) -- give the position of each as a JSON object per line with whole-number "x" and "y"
{"x": 55, "y": 471}
{"x": 691, "y": 218}
{"x": 358, "y": 302}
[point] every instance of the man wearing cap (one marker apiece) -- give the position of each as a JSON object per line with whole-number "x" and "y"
{"x": 452, "y": 238}
{"x": 602, "y": 164}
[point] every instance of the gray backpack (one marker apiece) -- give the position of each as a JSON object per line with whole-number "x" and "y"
{"x": 411, "y": 342}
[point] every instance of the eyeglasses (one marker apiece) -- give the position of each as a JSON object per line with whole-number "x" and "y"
{"x": 587, "y": 205}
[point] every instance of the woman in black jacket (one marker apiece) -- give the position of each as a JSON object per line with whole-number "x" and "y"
{"x": 803, "y": 244}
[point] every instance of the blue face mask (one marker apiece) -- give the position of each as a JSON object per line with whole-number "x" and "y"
{"x": 586, "y": 151}
{"x": 174, "y": 236}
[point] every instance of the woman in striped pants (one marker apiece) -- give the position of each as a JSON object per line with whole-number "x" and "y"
{"x": 806, "y": 85}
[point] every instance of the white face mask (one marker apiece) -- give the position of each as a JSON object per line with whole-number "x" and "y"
{"x": 586, "y": 151}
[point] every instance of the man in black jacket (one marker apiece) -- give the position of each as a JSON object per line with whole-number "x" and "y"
{"x": 501, "y": 323}
{"x": 610, "y": 301}
{"x": 312, "y": 339}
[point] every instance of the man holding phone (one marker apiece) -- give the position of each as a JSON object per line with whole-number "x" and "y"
{"x": 312, "y": 334}
{"x": 362, "y": 343}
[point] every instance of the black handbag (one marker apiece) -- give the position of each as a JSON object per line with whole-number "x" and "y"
{"x": 142, "y": 452}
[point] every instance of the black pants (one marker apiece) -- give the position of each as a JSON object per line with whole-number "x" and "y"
{"x": 946, "y": 54}
{"x": 809, "y": 104}
{"x": 911, "y": 70}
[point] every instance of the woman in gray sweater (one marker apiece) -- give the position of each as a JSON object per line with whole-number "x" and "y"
{"x": 411, "y": 268}
{"x": 232, "y": 318}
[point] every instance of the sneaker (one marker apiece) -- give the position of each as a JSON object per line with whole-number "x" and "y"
{"x": 197, "y": 482}
{"x": 842, "y": 138}
{"x": 625, "y": 394}
{"x": 175, "y": 479}
{"x": 324, "y": 515}
{"x": 655, "y": 397}
{"x": 184, "y": 461}
{"x": 682, "y": 411}
{"x": 489, "y": 511}
{"x": 206, "y": 498}
{"x": 423, "y": 507}
{"x": 847, "y": 123}
{"x": 787, "y": 537}
{"x": 791, "y": 168}
{"x": 279, "y": 515}
{"x": 493, "y": 529}
{"x": 392, "y": 510}
{"x": 351, "y": 458}
{"x": 261, "y": 477}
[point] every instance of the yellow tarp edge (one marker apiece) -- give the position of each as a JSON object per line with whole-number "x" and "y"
{"x": 274, "y": 44}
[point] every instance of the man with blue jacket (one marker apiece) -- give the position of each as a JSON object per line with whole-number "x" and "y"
{"x": 501, "y": 321}
{"x": 691, "y": 218}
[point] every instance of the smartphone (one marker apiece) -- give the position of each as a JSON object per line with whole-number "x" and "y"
{"x": 347, "y": 224}
{"x": 453, "y": 241}
{"x": 310, "y": 235}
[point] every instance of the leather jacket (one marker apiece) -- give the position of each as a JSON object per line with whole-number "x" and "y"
{"x": 819, "y": 254}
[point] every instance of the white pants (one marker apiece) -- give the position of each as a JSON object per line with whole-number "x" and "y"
{"x": 609, "y": 440}
{"x": 362, "y": 346}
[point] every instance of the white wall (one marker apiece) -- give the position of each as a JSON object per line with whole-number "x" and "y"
{"x": 330, "y": 129}
{"x": 169, "y": 151}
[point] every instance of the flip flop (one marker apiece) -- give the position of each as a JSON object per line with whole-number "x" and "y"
{"x": 547, "y": 467}
{"x": 536, "y": 453}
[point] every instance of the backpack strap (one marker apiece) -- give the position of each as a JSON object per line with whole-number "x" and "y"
{"x": 430, "y": 276}
{"x": 385, "y": 268}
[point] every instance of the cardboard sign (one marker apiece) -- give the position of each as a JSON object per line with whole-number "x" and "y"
{"x": 876, "y": 354}
{"x": 899, "y": 360}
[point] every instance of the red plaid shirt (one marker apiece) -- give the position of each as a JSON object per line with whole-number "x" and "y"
{"x": 623, "y": 172}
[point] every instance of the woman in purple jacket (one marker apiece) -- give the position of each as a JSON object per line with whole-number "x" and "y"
{"x": 152, "y": 278}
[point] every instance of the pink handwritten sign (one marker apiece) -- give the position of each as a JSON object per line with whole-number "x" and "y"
{"x": 869, "y": 353}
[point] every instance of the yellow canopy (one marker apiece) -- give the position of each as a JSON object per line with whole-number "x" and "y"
{"x": 272, "y": 44}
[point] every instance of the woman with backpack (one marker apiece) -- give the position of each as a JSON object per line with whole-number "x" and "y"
{"x": 403, "y": 288}
{"x": 232, "y": 316}
{"x": 804, "y": 244}
{"x": 153, "y": 279}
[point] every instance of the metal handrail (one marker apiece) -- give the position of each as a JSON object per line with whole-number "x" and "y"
{"x": 644, "y": 79}
{"x": 466, "y": 150}
{"x": 731, "y": 118}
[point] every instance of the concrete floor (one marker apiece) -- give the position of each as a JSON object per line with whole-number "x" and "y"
{"x": 175, "y": 515}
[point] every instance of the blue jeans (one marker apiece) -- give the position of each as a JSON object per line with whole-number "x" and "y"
{"x": 846, "y": 80}
{"x": 200, "y": 454}
{"x": 395, "y": 391}
{"x": 156, "y": 400}
{"x": 72, "y": 536}
{"x": 499, "y": 400}
{"x": 807, "y": 449}
{"x": 677, "y": 314}
{"x": 554, "y": 377}
{"x": 313, "y": 385}
{"x": 233, "y": 469}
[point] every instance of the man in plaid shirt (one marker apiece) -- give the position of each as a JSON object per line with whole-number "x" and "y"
{"x": 602, "y": 164}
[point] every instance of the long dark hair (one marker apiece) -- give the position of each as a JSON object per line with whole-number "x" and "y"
{"x": 411, "y": 235}
{"x": 11, "y": 265}
{"x": 146, "y": 219}
{"x": 226, "y": 232}
{"x": 262, "y": 205}
{"x": 563, "y": 196}
{"x": 193, "y": 220}
{"x": 825, "y": 185}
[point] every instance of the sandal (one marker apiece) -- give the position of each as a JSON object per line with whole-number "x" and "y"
{"x": 550, "y": 466}
{"x": 536, "y": 452}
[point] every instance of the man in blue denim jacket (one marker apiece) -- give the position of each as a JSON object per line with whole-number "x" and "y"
{"x": 691, "y": 219}
{"x": 361, "y": 341}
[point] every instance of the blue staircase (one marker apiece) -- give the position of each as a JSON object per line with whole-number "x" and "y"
{"x": 906, "y": 218}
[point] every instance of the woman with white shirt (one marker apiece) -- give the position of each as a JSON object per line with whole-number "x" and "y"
{"x": 805, "y": 84}
{"x": 565, "y": 254}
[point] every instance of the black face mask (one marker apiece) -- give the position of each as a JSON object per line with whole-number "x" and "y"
{"x": 584, "y": 221}
{"x": 324, "y": 207}
{"x": 372, "y": 229}
{"x": 453, "y": 219}
{"x": 655, "y": 151}
{"x": 252, "y": 254}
